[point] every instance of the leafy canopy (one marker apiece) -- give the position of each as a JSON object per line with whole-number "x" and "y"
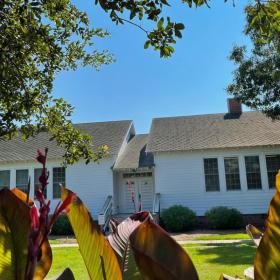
{"x": 40, "y": 38}
{"x": 257, "y": 76}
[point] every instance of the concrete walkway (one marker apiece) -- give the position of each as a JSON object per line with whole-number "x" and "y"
{"x": 185, "y": 242}
{"x": 64, "y": 245}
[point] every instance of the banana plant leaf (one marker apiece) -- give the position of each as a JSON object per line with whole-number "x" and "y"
{"x": 119, "y": 240}
{"x": 15, "y": 224}
{"x": 158, "y": 256}
{"x": 100, "y": 259}
{"x": 45, "y": 260}
{"x": 267, "y": 261}
{"x": 67, "y": 274}
{"x": 120, "y": 236}
{"x": 254, "y": 233}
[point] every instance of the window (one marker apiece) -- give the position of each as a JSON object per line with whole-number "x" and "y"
{"x": 22, "y": 179}
{"x": 232, "y": 173}
{"x": 4, "y": 179}
{"x": 133, "y": 175}
{"x": 58, "y": 178}
{"x": 37, "y": 184}
{"x": 211, "y": 174}
{"x": 253, "y": 172}
{"x": 272, "y": 165}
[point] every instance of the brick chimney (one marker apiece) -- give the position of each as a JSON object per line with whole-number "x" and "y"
{"x": 234, "y": 106}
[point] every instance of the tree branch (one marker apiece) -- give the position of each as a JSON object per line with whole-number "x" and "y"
{"x": 133, "y": 23}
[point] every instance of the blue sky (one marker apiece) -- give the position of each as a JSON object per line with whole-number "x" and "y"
{"x": 140, "y": 85}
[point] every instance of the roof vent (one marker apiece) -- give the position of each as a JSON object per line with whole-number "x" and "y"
{"x": 234, "y": 106}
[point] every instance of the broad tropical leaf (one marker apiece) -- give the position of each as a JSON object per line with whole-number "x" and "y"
{"x": 119, "y": 240}
{"x": 267, "y": 261}
{"x": 45, "y": 261}
{"x": 120, "y": 236}
{"x": 22, "y": 196}
{"x": 67, "y": 274}
{"x": 158, "y": 256}
{"x": 254, "y": 233}
{"x": 99, "y": 257}
{"x": 15, "y": 224}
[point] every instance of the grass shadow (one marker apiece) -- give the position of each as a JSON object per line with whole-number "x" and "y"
{"x": 242, "y": 254}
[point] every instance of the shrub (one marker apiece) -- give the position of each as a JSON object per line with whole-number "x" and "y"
{"x": 224, "y": 218}
{"x": 62, "y": 226}
{"x": 178, "y": 218}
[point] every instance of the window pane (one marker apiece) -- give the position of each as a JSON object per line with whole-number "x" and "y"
{"x": 22, "y": 180}
{"x": 232, "y": 174}
{"x": 37, "y": 184}
{"x": 58, "y": 178}
{"x": 253, "y": 172}
{"x": 4, "y": 179}
{"x": 211, "y": 173}
{"x": 272, "y": 165}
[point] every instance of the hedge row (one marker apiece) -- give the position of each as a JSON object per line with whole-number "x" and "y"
{"x": 176, "y": 219}
{"x": 179, "y": 218}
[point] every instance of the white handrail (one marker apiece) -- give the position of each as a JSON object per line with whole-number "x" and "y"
{"x": 156, "y": 206}
{"x": 105, "y": 213}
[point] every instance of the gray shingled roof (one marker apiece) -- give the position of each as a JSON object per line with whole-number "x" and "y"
{"x": 109, "y": 133}
{"x": 135, "y": 155}
{"x": 213, "y": 132}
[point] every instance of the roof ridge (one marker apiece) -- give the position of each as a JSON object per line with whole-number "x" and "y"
{"x": 99, "y": 122}
{"x": 201, "y": 115}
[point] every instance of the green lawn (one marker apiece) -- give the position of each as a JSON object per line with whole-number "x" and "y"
{"x": 209, "y": 261}
{"x": 62, "y": 241}
{"x": 227, "y": 236}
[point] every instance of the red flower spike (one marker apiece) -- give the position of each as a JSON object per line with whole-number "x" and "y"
{"x": 39, "y": 194}
{"x": 41, "y": 157}
{"x": 34, "y": 214}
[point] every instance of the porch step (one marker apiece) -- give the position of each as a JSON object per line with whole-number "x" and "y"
{"x": 122, "y": 217}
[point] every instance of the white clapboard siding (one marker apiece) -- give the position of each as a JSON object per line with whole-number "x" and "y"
{"x": 92, "y": 182}
{"x": 179, "y": 178}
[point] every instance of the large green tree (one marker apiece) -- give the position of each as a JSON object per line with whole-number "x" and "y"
{"x": 257, "y": 76}
{"x": 39, "y": 38}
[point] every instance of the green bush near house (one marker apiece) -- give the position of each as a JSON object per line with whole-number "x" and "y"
{"x": 62, "y": 226}
{"x": 224, "y": 218}
{"x": 178, "y": 218}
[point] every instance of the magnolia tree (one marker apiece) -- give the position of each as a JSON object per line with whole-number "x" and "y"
{"x": 40, "y": 39}
{"x": 137, "y": 248}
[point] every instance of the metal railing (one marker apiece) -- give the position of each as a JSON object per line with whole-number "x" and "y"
{"x": 105, "y": 213}
{"x": 156, "y": 205}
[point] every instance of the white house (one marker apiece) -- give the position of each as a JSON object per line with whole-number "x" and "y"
{"x": 201, "y": 161}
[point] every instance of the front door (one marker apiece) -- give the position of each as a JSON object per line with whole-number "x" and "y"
{"x": 136, "y": 192}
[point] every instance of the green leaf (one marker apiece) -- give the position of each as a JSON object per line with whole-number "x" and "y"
{"x": 178, "y": 33}
{"x": 67, "y": 274}
{"x": 160, "y": 23}
{"x": 179, "y": 26}
{"x": 147, "y": 44}
{"x": 268, "y": 252}
{"x": 15, "y": 224}
{"x": 99, "y": 257}
{"x": 159, "y": 256}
